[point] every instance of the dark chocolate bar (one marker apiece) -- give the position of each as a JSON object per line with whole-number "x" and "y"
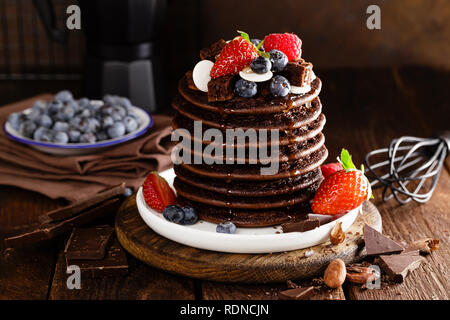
{"x": 296, "y": 294}
{"x": 88, "y": 243}
{"x": 377, "y": 243}
{"x": 112, "y": 265}
{"x": 399, "y": 266}
{"x": 53, "y": 229}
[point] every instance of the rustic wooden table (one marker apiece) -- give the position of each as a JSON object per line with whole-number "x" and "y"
{"x": 365, "y": 109}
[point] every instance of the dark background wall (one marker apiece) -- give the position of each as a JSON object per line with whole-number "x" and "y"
{"x": 334, "y": 33}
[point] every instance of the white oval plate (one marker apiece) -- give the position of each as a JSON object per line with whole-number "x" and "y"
{"x": 69, "y": 149}
{"x": 203, "y": 234}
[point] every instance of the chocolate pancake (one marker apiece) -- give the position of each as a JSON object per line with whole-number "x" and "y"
{"x": 239, "y": 105}
{"x": 285, "y": 137}
{"x": 253, "y": 171}
{"x": 247, "y": 217}
{"x": 288, "y": 152}
{"x": 290, "y": 118}
{"x": 193, "y": 193}
{"x": 250, "y": 188}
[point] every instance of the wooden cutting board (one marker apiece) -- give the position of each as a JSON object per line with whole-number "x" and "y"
{"x": 146, "y": 245}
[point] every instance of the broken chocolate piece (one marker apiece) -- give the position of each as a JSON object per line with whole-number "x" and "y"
{"x": 296, "y": 294}
{"x": 53, "y": 229}
{"x": 88, "y": 243}
{"x": 113, "y": 264}
{"x": 300, "y": 226}
{"x": 75, "y": 208}
{"x": 323, "y": 218}
{"x": 377, "y": 243}
{"x": 221, "y": 89}
{"x": 190, "y": 81}
{"x": 298, "y": 73}
{"x": 399, "y": 266}
{"x": 213, "y": 50}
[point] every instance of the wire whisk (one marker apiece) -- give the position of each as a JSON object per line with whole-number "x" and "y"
{"x": 409, "y": 168}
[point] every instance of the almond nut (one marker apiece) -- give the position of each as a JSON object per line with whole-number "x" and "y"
{"x": 337, "y": 235}
{"x": 335, "y": 273}
{"x": 361, "y": 275}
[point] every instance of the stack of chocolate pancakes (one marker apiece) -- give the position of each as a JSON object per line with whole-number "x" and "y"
{"x": 239, "y": 192}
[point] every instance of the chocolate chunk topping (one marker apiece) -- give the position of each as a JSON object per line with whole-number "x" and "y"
{"x": 398, "y": 267}
{"x": 377, "y": 243}
{"x": 298, "y": 73}
{"x": 296, "y": 294}
{"x": 212, "y": 51}
{"x": 221, "y": 89}
{"x": 301, "y": 226}
{"x": 88, "y": 243}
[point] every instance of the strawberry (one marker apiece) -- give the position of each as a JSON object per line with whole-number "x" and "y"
{"x": 330, "y": 168}
{"x": 288, "y": 43}
{"x": 235, "y": 56}
{"x": 342, "y": 191}
{"x": 157, "y": 192}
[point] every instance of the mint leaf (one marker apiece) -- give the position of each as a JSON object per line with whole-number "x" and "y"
{"x": 346, "y": 160}
{"x": 244, "y": 35}
{"x": 260, "y": 45}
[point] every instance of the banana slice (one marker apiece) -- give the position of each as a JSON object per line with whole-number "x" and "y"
{"x": 248, "y": 74}
{"x": 201, "y": 76}
{"x": 300, "y": 90}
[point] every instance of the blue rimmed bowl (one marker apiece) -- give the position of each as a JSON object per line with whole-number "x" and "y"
{"x": 68, "y": 149}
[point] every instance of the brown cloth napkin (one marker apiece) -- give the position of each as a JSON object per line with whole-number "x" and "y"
{"x": 77, "y": 177}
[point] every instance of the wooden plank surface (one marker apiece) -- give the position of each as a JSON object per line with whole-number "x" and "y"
{"x": 142, "y": 282}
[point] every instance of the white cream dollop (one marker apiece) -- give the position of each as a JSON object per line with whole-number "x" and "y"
{"x": 201, "y": 76}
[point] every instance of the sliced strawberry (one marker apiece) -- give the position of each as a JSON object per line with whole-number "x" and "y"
{"x": 330, "y": 168}
{"x": 157, "y": 192}
{"x": 288, "y": 43}
{"x": 235, "y": 56}
{"x": 342, "y": 191}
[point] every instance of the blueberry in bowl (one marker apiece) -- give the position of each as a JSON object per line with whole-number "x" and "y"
{"x": 67, "y": 126}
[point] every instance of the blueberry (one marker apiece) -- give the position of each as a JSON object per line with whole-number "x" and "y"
{"x": 93, "y": 125}
{"x": 246, "y": 89}
{"x": 86, "y": 113}
{"x": 61, "y": 137}
{"x": 109, "y": 99}
{"x": 106, "y": 110}
{"x": 15, "y": 120}
{"x": 75, "y": 122}
{"x": 61, "y": 126}
{"x": 124, "y": 102}
{"x": 130, "y": 123}
{"x": 226, "y": 227}
{"x": 88, "y": 137}
{"x": 116, "y": 130}
{"x": 74, "y": 135}
{"x": 279, "y": 60}
{"x": 66, "y": 113}
{"x": 173, "y": 213}
{"x": 83, "y": 102}
{"x": 64, "y": 96}
{"x": 102, "y": 136}
{"x": 45, "y": 121}
{"x": 118, "y": 113}
{"x": 39, "y": 106}
{"x": 107, "y": 122}
{"x": 261, "y": 65}
{"x": 27, "y": 128}
{"x": 256, "y": 42}
{"x": 33, "y": 115}
{"x": 279, "y": 86}
{"x": 190, "y": 216}
{"x": 53, "y": 107}
{"x": 43, "y": 134}
{"x": 128, "y": 192}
